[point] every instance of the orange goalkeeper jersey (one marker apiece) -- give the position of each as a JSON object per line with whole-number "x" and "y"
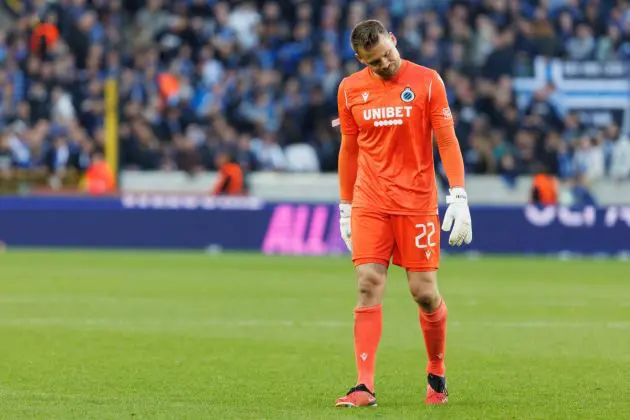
{"x": 393, "y": 121}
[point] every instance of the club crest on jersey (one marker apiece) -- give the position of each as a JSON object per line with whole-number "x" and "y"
{"x": 407, "y": 95}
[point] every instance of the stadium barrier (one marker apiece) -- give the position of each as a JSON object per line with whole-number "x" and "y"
{"x": 324, "y": 187}
{"x": 249, "y": 224}
{"x": 27, "y": 181}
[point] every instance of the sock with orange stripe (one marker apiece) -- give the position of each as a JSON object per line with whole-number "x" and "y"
{"x": 434, "y": 330}
{"x": 368, "y": 323}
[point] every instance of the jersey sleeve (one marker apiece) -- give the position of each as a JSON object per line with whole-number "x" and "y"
{"x": 438, "y": 103}
{"x": 346, "y": 120}
{"x": 451, "y": 155}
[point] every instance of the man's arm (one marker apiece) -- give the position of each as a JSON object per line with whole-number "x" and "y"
{"x": 444, "y": 129}
{"x": 451, "y": 155}
{"x": 457, "y": 214}
{"x": 349, "y": 152}
{"x": 348, "y": 162}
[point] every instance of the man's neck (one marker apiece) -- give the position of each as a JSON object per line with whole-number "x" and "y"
{"x": 393, "y": 76}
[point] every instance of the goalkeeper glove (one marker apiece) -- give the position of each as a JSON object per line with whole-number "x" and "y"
{"x": 345, "y": 210}
{"x": 457, "y": 216}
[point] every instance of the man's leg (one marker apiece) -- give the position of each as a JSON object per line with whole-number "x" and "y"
{"x": 372, "y": 243}
{"x": 433, "y": 317}
{"x": 418, "y": 251}
{"x": 368, "y": 320}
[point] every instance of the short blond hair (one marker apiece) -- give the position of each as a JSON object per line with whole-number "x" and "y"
{"x": 366, "y": 34}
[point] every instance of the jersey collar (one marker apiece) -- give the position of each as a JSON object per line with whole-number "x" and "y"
{"x": 403, "y": 66}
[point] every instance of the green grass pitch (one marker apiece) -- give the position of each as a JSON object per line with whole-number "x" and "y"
{"x": 126, "y": 335}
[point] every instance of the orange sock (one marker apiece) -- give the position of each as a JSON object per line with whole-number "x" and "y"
{"x": 368, "y": 323}
{"x": 434, "y": 330}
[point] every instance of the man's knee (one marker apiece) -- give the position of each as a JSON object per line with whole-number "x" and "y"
{"x": 371, "y": 283}
{"x": 424, "y": 290}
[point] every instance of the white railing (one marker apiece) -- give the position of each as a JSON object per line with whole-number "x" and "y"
{"x": 484, "y": 189}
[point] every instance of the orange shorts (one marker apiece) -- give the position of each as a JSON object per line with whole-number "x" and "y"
{"x": 409, "y": 241}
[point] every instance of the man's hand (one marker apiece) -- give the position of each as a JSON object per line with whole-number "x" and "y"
{"x": 345, "y": 210}
{"x": 457, "y": 216}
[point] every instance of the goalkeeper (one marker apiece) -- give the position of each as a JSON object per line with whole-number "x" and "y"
{"x": 388, "y": 114}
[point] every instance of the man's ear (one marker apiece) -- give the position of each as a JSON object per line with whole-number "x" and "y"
{"x": 393, "y": 38}
{"x": 358, "y": 57}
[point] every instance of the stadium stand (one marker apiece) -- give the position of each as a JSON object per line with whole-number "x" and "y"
{"x": 258, "y": 79}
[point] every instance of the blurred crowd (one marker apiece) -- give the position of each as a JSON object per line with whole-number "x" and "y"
{"x": 256, "y": 81}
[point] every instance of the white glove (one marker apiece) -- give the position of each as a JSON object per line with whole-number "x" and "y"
{"x": 458, "y": 213}
{"x": 345, "y": 211}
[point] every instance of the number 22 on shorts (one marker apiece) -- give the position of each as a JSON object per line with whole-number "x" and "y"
{"x": 425, "y": 238}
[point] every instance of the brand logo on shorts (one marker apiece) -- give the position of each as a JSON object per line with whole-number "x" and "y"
{"x": 407, "y": 95}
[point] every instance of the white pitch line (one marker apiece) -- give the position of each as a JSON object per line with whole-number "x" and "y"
{"x": 134, "y": 300}
{"x": 157, "y": 324}
{"x": 65, "y": 299}
{"x": 41, "y": 395}
{"x": 542, "y": 324}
